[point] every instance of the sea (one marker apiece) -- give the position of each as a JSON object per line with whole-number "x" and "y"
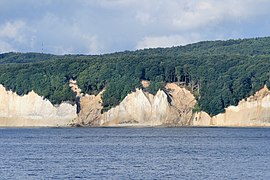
{"x": 134, "y": 153}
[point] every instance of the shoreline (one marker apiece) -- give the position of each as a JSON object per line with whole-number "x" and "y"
{"x": 128, "y": 127}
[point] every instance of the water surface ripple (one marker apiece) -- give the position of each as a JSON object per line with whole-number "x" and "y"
{"x": 135, "y": 153}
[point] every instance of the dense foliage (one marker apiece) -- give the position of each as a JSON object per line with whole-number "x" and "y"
{"x": 224, "y": 71}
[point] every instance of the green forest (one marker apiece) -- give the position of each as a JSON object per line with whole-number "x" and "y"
{"x": 220, "y": 73}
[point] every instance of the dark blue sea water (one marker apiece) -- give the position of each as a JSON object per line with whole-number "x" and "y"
{"x": 131, "y": 153}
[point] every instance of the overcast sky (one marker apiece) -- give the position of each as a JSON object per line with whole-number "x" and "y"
{"x": 103, "y": 26}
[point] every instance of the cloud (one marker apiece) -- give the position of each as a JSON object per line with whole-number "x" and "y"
{"x": 13, "y": 35}
{"x": 13, "y": 30}
{"x": 91, "y": 42}
{"x": 199, "y": 14}
{"x": 166, "y": 41}
{"x": 52, "y": 34}
{"x": 144, "y": 18}
{"x": 115, "y": 3}
{"x": 5, "y": 47}
{"x": 102, "y": 26}
{"x": 187, "y": 21}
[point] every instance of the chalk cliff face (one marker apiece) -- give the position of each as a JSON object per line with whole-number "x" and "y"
{"x": 254, "y": 111}
{"x": 33, "y": 110}
{"x": 90, "y": 110}
{"x": 182, "y": 103}
{"x": 172, "y": 106}
{"x": 140, "y": 108}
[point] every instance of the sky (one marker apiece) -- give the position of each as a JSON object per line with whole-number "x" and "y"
{"x": 106, "y": 26}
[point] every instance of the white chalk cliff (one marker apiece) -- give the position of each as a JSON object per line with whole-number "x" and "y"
{"x": 140, "y": 108}
{"x": 33, "y": 110}
{"x": 253, "y": 111}
{"x": 172, "y": 106}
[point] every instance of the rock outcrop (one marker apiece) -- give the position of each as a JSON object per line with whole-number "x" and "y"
{"x": 139, "y": 108}
{"x": 33, "y": 110}
{"x": 253, "y": 111}
{"x": 182, "y": 104}
{"x": 170, "y": 107}
{"x": 90, "y": 110}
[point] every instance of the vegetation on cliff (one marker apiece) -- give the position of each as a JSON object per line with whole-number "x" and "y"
{"x": 219, "y": 72}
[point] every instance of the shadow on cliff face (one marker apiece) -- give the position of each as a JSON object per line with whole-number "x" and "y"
{"x": 169, "y": 96}
{"x": 78, "y": 104}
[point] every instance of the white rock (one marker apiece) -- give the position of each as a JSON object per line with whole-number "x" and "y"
{"x": 33, "y": 110}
